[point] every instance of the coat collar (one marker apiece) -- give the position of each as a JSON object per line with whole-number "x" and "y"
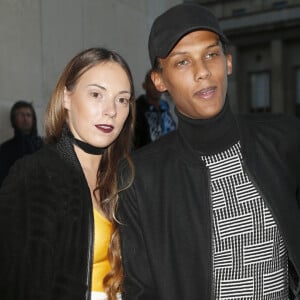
{"x": 65, "y": 149}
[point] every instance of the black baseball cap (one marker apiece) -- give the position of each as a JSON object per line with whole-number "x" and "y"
{"x": 168, "y": 28}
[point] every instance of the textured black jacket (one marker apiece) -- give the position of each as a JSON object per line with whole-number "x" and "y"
{"x": 46, "y": 228}
{"x": 166, "y": 230}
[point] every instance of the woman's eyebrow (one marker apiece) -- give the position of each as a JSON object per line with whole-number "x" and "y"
{"x": 104, "y": 88}
{"x": 97, "y": 85}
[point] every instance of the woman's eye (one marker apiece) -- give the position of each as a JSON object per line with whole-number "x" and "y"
{"x": 123, "y": 101}
{"x": 95, "y": 94}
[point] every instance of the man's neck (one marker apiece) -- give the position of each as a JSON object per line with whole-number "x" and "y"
{"x": 212, "y": 135}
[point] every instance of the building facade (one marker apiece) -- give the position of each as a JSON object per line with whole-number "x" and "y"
{"x": 265, "y": 38}
{"x": 38, "y": 37}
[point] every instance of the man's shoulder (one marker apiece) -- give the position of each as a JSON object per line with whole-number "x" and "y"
{"x": 270, "y": 120}
{"x": 8, "y": 147}
{"x": 278, "y": 128}
{"x": 35, "y": 157}
{"x": 8, "y": 142}
{"x": 12, "y": 142}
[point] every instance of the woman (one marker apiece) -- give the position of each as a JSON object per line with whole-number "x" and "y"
{"x": 58, "y": 231}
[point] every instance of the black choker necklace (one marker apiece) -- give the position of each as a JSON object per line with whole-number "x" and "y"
{"x": 88, "y": 148}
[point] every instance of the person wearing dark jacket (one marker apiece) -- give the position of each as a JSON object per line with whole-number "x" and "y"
{"x": 57, "y": 206}
{"x": 153, "y": 116}
{"x": 25, "y": 140}
{"x": 214, "y": 210}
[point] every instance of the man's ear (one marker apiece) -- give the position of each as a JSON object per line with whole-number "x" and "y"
{"x": 229, "y": 64}
{"x": 158, "y": 81}
{"x": 67, "y": 99}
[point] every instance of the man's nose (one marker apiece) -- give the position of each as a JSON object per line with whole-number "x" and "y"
{"x": 201, "y": 71}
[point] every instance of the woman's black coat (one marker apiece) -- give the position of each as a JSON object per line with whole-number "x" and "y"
{"x": 46, "y": 228}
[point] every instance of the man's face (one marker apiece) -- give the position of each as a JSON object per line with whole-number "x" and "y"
{"x": 24, "y": 119}
{"x": 195, "y": 74}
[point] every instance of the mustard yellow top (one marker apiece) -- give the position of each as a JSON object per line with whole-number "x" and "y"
{"x": 101, "y": 266}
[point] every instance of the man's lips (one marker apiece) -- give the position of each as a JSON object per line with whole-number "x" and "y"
{"x": 105, "y": 128}
{"x": 206, "y": 93}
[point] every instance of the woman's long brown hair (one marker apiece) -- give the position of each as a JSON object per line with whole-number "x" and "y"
{"x": 107, "y": 183}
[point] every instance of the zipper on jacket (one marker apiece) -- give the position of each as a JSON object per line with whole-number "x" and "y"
{"x": 91, "y": 251}
{"x": 90, "y": 254}
{"x": 212, "y": 278}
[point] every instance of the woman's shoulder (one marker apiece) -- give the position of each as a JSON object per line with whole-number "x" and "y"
{"x": 46, "y": 156}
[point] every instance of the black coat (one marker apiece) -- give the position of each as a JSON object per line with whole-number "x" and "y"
{"x": 166, "y": 225}
{"x": 46, "y": 228}
{"x": 15, "y": 148}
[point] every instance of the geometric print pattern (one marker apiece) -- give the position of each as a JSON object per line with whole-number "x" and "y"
{"x": 250, "y": 258}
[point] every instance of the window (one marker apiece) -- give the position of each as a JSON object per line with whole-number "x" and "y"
{"x": 260, "y": 92}
{"x": 298, "y": 91}
{"x": 239, "y": 12}
{"x": 279, "y": 4}
{"x": 298, "y": 86}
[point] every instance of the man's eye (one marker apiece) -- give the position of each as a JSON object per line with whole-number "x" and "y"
{"x": 211, "y": 55}
{"x": 182, "y": 63}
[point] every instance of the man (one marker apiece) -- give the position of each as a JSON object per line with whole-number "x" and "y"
{"x": 213, "y": 212}
{"x": 153, "y": 117}
{"x": 25, "y": 140}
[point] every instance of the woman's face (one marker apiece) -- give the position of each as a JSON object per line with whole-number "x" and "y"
{"x": 99, "y": 105}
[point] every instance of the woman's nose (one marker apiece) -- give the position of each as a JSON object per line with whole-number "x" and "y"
{"x": 110, "y": 108}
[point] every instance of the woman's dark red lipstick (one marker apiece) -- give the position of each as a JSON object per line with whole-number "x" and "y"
{"x": 105, "y": 128}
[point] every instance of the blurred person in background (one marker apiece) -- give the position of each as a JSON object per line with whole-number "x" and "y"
{"x": 25, "y": 140}
{"x": 153, "y": 117}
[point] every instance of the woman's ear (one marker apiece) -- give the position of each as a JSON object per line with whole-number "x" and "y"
{"x": 158, "y": 81}
{"x": 67, "y": 99}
